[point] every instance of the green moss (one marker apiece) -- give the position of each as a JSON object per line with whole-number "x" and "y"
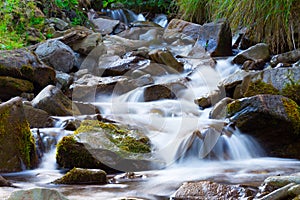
{"x": 71, "y": 154}
{"x": 260, "y": 87}
{"x": 292, "y": 91}
{"x": 293, "y": 113}
{"x": 27, "y": 70}
{"x": 233, "y": 107}
{"x": 124, "y": 138}
{"x": 83, "y": 176}
{"x": 16, "y": 84}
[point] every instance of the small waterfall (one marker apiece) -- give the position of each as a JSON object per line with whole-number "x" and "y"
{"x": 124, "y": 15}
{"x": 161, "y": 20}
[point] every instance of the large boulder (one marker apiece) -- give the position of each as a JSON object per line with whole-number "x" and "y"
{"x": 37, "y": 194}
{"x": 166, "y": 57}
{"x": 16, "y": 141}
{"x": 78, "y": 176}
{"x": 57, "y": 55}
{"x": 36, "y": 118}
{"x": 214, "y": 37}
{"x": 273, "y": 120}
{"x": 11, "y": 87}
{"x": 52, "y": 100}
{"x": 107, "y": 146}
{"x": 255, "y": 53}
{"x": 25, "y": 65}
{"x": 86, "y": 45}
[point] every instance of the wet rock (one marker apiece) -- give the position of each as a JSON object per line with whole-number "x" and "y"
{"x": 116, "y": 66}
{"x": 288, "y": 57}
{"x": 166, "y": 57}
{"x": 16, "y": 141}
{"x": 53, "y": 101}
{"x": 4, "y": 182}
{"x": 280, "y": 181}
{"x": 208, "y": 190}
{"x": 256, "y": 116}
{"x": 86, "y": 108}
{"x": 219, "y": 111}
{"x": 78, "y": 176}
{"x": 209, "y": 99}
{"x": 58, "y": 23}
{"x": 254, "y": 65}
{"x": 37, "y": 194}
{"x": 214, "y": 38}
{"x": 232, "y": 81}
{"x": 105, "y": 146}
{"x": 105, "y": 26}
{"x": 57, "y": 55}
{"x": 163, "y": 91}
{"x": 86, "y": 45}
{"x": 25, "y": 65}
{"x": 11, "y": 87}
{"x": 255, "y": 53}
{"x": 37, "y": 118}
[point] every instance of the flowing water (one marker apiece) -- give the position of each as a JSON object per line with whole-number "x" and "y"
{"x": 182, "y": 136}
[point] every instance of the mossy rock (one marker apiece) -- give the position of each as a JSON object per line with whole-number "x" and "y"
{"x": 107, "y": 146}
{"x": 83, "y": 176}
{"x": 11, "y": 87}
{"x": 273, "y": 120}
{"x": 16, "y": 141}
{"x": 25, "y": 65}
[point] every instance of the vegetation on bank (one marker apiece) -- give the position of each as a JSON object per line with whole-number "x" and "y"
{"x": 273, "y": 22}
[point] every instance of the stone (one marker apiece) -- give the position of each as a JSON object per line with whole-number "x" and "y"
{"x": 208, "y": 100}
{"x": 54, "y": 102}
{"x": 105, "y": 26}
{"x": 288, "y": 57}
{"x": 214, "y": 37}
{"x": 219, "y": 111}
{"x": 12, "y": 87}
{"x": 37, "y": 118}
{"x": 58, "y": 23}
{"x": 64, "y": 80}
{"x": 140, "y": 33}
{"x": 257, "y": 52}
{"x": 57, "y": 55}
{"x": 16, "y": 140}
{"x": 257, "y": 117}
{"x": 208, "y": 190}
{"x": 37, "y": 194}
{"x": 86, "y": 45}
{"x": 108, "y": 146}
{"x": 163, "y": 91}
{"x": 25, "y": 65}
{"x": 253, "y": 65}
{"x": 166, "y": 57}
{"x": 77, "y": 176}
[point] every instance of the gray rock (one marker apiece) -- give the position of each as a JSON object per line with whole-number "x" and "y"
{"x": 64, "y": 80}
{"x": 79, "y": 176}
{"x": 166, "y": 57}
{"x": 37, "y": 118}
{"x": 58, "y": 23}
{"x": 25, "y": 65}
{"x": 208, "y": 100}
{"x": 258, "y": 52}
{"x": 219, "y": 111}
{"x": 4, "y": 182}
{"x": 86, "y": 45}
{"x": 214, "y": 37}
{"x": 105, "y": 26}
{"x": 288, "y": 57}
{"x": 53, "y": 101}
{"x": 57, "y": 55}
{"x": 37, "y": 194}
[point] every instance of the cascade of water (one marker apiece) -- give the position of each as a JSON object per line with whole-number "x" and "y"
{"x": 124, "y": 15}
{"x": 161, "y": 20}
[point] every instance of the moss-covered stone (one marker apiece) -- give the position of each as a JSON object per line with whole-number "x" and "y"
{"x": 83, "y": 176}
{"x": 125, "y": 139}
{"x": 292, "y": 91}
{"x": 71, "y": 153}
{"x": 260, "y": 87}
{"x": 16, "y": 141}
{"x": 293, "y": 112}
{"x": 11, "y": 87}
